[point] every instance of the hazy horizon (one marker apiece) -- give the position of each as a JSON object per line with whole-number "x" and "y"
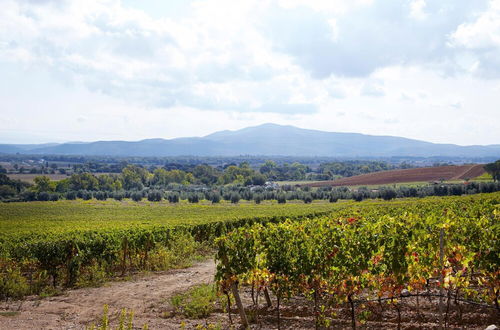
{"x": 232, "y": 130}
{"x": 102, "y": 70}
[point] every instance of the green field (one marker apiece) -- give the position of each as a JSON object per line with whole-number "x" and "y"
{"x": 65, "y": 216}
{"x": 68, "y": 243}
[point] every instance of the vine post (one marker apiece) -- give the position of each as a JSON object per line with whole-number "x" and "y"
{"x": 241, "y": 309}
{"x": 441, "y": 276}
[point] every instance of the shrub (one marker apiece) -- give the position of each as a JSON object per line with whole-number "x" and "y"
{"x": 7, "y": 191}
{"x": 118, "y": 195}
{"x": 155, "y": 196}
{"x": 388, "y": 194}
{"x": 136, "y": 196}
{"x": 53, "y": 197}
{"x": 28, "y": 196}
{"x": 215, "y": 198}
{"x": 257, "y": 198}
{"x": 358, "y": 197}
{"x": 12, "y": 283}
{"x": 101, "y": 195}
{"x": 71, "y": 195}
{"x": 84, "y": 194}
{"x": 235, "y": 198}
{"x": 333, "y": 198}
{"x": 173, "y": 198}
{"x": 307, "y": 199}
{"x": 281, "y": 198}
{"x": 198, "y": 302}
{"x": 193, "y": 198}
{"x": 43, "y": 196}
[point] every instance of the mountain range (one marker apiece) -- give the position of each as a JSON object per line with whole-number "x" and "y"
{"x": 263, "y": 140}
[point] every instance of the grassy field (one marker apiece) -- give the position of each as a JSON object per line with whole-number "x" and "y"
{"x": 60, "y": 216}
{"x": 30, "y": 178}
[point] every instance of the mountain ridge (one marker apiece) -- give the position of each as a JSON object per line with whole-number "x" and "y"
{"x": 263, "y": 140}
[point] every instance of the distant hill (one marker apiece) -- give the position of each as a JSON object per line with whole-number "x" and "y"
{"x": 265, "y": 140}
{"x": 424, "y": 174}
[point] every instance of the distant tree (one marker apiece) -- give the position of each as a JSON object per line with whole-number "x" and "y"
{"x": 118, "y": 195}
{"x": 333, "y": 198}
{"x": 42, "y": 183}
{"x": 307, "y": 198}
{"x": 281, "y": 198}
{"x": 258, "y": 179}
{"x": 43, "y": 196}
{"x": 135, "y": 177}
{"x": 70, "y": 195}
{"x": 269, "y": 169}
{"x": 215, "y": 198}
{"x": 53, "y": 197}
{"x": 155, "y": 196}
{"x": 257, "y": 198}
{"x": 83, "y": 181}
{"x": 86, "y": 195}
{"x": 235, "y": 198}
{"x": 136, "y": 196}
{"x": 494, "y": 170}
{"x": 7, "y": 191}
{"x": 28, "y": 196}
{"x": 101, "y": 195}
{"x": 388, "y": 194}
{"x": 206, "y": 174}
{"x": 357, "y": 196}
{"x": 173, "y": 198}
{"x": 193, "y": 198}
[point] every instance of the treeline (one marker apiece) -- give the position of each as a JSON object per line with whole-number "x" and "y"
{"x": 242, "y": 181}
{"x": 234, "y": 194}
{"x": 276, "y": 171}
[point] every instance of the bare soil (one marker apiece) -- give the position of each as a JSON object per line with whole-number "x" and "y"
{"x": 149, "y": 297}
{"x": 79, "y": 308}
{"x": 424, "y": 174}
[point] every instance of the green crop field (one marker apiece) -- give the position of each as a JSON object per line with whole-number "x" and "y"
{"x": 66, "y": 243}
{"x": 66, "y": 216}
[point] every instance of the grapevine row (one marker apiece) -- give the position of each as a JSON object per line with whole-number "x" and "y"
{"x": 371, "y": 253}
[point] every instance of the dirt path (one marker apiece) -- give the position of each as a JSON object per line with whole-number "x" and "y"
{"x": 75, "y": 309}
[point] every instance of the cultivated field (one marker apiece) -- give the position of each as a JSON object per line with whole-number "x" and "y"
{"x": 69, "y": 216}
{"x": 30, "y": 178}
{"x": 424, "y": 174}
{"x": 374, "y": 263}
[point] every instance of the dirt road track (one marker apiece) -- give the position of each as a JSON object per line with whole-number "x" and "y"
{"x": 75, "y": 309}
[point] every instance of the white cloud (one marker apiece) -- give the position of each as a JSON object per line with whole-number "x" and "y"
{"x": 417, "y": 9}
{"x": 483, "y": 33}
{"x": 230, "y": 64}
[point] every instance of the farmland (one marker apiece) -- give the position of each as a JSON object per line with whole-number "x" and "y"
{"x": 68, "y": 216}
{"x": 358, "y": 257}
{"x": 46, "y": 246}
{"x": 427, "y": 174}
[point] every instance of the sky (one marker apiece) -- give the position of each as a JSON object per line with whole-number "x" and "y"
{"x": 88, "y": 70}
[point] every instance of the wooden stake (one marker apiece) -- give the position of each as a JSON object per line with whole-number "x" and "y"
{"x": 241, "y": 310}
{"x": 268, "y": 298}
{"x": 441, "y": 277}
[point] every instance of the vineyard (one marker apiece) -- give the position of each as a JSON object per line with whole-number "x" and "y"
{"x": 47, "y": 245}
{"x": 446, "y": 249}
{"x": 341, "y": 264}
